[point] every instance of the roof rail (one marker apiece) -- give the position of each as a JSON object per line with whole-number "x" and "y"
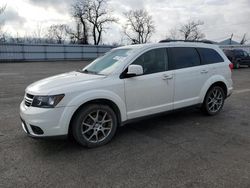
{"x": 202, "y": 41}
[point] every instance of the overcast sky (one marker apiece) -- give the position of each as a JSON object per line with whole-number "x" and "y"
{"x": 221, "y": 17}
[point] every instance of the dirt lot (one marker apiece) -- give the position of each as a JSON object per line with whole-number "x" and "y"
{"x": 184, "y": 149}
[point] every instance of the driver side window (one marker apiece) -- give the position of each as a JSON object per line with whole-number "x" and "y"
{"x": 153, "y": 61}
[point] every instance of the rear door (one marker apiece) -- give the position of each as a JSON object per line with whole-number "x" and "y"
{"x": 212, "y": 59}
{"x": 190, "y": 75}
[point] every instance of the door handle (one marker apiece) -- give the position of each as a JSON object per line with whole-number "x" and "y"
{"x": 167, "y": 76}
{"x": 204, "y": 71}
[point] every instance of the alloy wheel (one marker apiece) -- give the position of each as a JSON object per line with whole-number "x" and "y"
{"x": 215, "y": 100}
{"x": 96, "y": 126}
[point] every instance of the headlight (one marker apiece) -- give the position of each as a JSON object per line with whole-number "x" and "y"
{"x": 47, "y": 101}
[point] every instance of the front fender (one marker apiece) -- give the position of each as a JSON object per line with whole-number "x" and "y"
{"x": 100, "y": 94}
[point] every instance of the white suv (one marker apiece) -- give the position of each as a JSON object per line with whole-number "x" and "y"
{"x": 127, "y": 83}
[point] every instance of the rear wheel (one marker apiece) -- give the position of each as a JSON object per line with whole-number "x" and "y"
{"x": 213, "y": 101}
{"x": 94, "y": 125}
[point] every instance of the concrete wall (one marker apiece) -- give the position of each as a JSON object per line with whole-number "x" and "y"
{"x": 49, "y": 52}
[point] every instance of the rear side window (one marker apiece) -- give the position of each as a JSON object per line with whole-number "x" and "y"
{"x": 209, "y": 56}
{"x": 183, "y": 57}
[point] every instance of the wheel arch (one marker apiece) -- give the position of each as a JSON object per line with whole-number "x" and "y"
{"x": 102, "y": 101}
{"x": 215, "y": 80}
{"x": 217, "y": 83}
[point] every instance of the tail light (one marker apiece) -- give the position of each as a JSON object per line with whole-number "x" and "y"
{"x": 231, "y": 66}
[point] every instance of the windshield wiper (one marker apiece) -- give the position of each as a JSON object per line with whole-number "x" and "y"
{"x": 87, "y": 71}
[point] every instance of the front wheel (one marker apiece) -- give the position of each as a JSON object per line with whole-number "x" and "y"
{"x": 94, "y": 125}
{"x": 213, "y": 101}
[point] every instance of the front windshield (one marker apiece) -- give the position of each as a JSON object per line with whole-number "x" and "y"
{"x": 107, "y": 63}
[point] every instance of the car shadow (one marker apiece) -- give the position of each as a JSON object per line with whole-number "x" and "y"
{"x": 163, "y": 122}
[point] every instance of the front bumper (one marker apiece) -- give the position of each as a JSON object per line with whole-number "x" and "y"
{"x": 52, "y": 121}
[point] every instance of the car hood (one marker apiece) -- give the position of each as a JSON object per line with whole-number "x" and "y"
{"x": 47, "y": 85}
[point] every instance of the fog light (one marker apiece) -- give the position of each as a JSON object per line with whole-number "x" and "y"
{"x": 36, "y": 130}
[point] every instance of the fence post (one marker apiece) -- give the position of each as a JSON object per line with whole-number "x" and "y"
{"x": 23, "y": 52}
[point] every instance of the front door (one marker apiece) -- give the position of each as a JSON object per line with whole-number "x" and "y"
{"x": 151, "y": 92}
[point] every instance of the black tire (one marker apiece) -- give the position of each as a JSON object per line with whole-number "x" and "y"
{"x": 87, "y": 114}
{"x": 212, "y": 102}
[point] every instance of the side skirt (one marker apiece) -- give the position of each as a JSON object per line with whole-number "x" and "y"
{"x": 159, "y": 114}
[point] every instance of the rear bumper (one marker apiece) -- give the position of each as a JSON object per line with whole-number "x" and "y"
{"x": 229, "y": 91}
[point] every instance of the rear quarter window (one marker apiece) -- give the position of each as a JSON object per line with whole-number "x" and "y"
{"x": 209, "y": 56}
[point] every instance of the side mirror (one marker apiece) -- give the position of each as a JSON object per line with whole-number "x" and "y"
{"x": 134, "y": 70}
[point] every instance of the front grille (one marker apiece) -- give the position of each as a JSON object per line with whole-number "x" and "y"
{"x": 28, "y": 99}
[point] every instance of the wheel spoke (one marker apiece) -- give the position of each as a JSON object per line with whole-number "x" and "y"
{"x": 216, "y": 92}
{"x": 97, "y": 115}
{"x": 210, "y": 102}
{"x": 214, "y": 109}
{"x": 96, "y": 135}
{"x": 104, "y": 116}
{"x": 86, "y": 131}
{"x": 211, "y": 107}
{"x": 106, "y": 128}
{"x": 93, "y": 134}
{"x": 219, "y": 96}
{"x": 106, "y": 121}
{"x": 103, "y": 132}
{"x": 86, "y": 124}
{"x": 92, "y": 117}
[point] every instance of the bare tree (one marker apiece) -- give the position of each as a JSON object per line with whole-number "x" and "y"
{"x": 173, "y": 34}
{"x": 2, "y": 8}
{"x": 57, "y": 33}
{"x": 139, "y": 27}
{"x": 191, "y": 31}
{"x": 38, "y": 34}
{"x": 79, "y": 12}
{"x": 93, "y": 15}
{"x": 2, "y": 34}
{"x": 244, "y": 39}
{"x": 98, "y": 15}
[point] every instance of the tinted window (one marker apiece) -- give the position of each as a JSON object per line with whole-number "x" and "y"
{"x": 245, "y": 54}
{"x": 152, "y": 61}
{"x": 209, "y": 56}
{"x": 183, "y": 57}
{"x": 238, "y": 53}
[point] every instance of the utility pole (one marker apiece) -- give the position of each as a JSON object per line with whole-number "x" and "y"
{"x": 231, "y": 39}
{"x": 243, "y": 40}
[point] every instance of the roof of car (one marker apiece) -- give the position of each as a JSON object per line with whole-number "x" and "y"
{"x": 169, "y": 44}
